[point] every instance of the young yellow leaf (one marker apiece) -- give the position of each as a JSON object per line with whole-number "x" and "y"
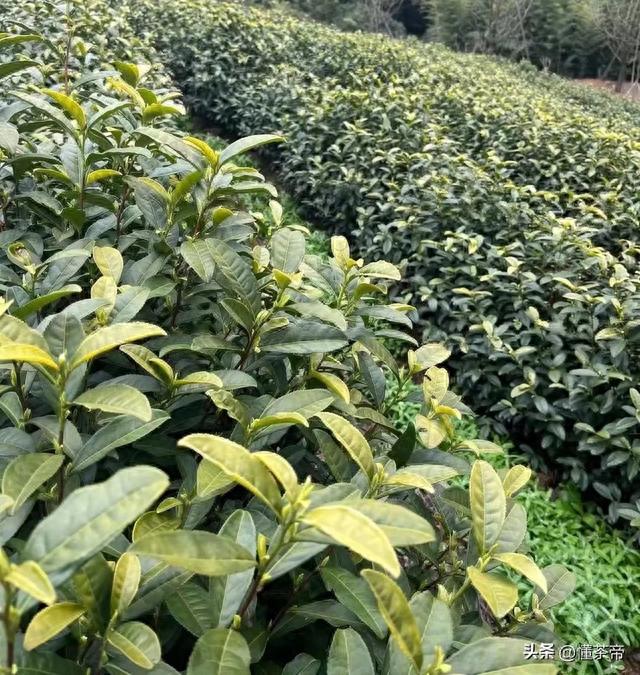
{"x": 525, "y": 566}
{"x": 434, "y": 473}
{"x": 351, "y": 440}
{"x": 432, "y": 431}
{"x": 197, "y": 381}
{"x": 105, "y": 288}
{"x": 517, "y": 477}
{"x": 108, "y": 338}
{"x": 100, "y": 174}
{"x": 15, "y": 330}
{"x": 395, "y": 609}
{"x": 340, "y": 251}
{"x": 147, "y": 360}
{"x": 283, "y": 472}
{"x": 71, "y": 107}
{"x": 32, "y": 579}
{"x": 197, "y": 551}
{"x": 119, "y": 399}
{"x": 109, "y": 261}
{"x": 238, "y": 463}
{"x": 204, "y": 149}
{"x": 128, "y": 90}
{"x": 137, "y": 642}
{"x": 431, "y": 354}
{"x": 409, "y": 480}
{"x": 498, "y": 592}
{"x": 402, "y": 526}
{"x": 126, "y": 579}
{"x": 211, "y": 480}
{"x": 435, "y": 383}
{"x": 480, "y": 446}
{"x": 333, "y": 383}
{"x": 130, "y": 72}
{"x": 50, "y": 621}
{"x": 355, "y": 531}
{"x": 275, "y": 420}
{"x": 24, "y": 353}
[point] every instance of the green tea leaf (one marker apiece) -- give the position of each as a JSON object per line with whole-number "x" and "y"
{"x": 26, "y": 473}
{"x": 303, "y": 664}
{"x": 495, "y": 655}
{"x": 220, "y": 651}
{"x": 120, "y": 399}
{"x": 304, "y": 337}
{"x": 117, "y": 432}
{"x": 348, "y": 654}
{"x": 197, "y": 551}
{"x": 137, "y": 642}
{"x": 190, "y": 606}
{"x": 560, "y": 584}
{"x": 245, "y": 144}
{"x": 226, "y": 593}
{"x": 91, "y": 517}
{"x": 355, "y": 594}
{"x": 488, "y": 504}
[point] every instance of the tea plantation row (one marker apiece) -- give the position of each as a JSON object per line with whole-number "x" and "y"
{"x": 509, "y": 198}
{"x": 199, "y": 468}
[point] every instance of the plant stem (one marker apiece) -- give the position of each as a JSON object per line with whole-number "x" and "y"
{"x": 460, "y": 592}
{"x": 250, "y": 595}
{"x": 121, "y": 207}
{"x": 18, "y": 387}
{"x": 62, "y": 420}
{"x": 257, "y": 583}
{"x": 9, "y": 628}
{"x": 67, "y": 52}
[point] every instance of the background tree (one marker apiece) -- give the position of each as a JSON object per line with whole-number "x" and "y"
{"x": 620, "y": 21}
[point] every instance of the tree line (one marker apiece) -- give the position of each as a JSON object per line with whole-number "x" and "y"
{"x": 577, "y": 38}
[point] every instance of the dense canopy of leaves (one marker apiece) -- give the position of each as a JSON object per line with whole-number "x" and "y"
{"x": 510, "y": 198}
{"x": 199, "y": 472}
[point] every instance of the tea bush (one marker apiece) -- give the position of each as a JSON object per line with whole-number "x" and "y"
{"x": 199, "y": 473}
{"x": 510, "y": 201}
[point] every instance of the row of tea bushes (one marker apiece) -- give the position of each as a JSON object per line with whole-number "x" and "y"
{"x": 507, "y": 204}
{"x": 198, "y": 469}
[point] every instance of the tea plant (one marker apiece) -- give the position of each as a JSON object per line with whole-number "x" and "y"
{"x": 512, "y": 209}
{"x": 197, "y": 461}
